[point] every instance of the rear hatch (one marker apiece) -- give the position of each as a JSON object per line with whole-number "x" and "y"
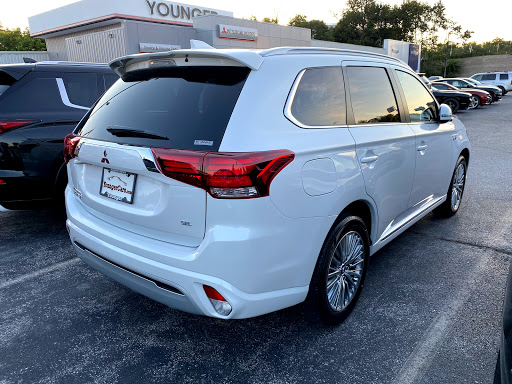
{"x": 116, "y": 173}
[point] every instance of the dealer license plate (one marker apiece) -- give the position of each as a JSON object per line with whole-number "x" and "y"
{"x": 118, "y": 185}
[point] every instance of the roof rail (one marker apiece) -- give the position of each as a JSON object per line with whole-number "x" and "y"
{"x": 70, "y": 63}
{"x": 330, "y": 51}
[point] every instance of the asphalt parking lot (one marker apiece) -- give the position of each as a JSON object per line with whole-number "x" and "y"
{"x": 430, "y": 311}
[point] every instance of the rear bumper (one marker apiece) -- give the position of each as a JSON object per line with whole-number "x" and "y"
{"x": 252, "y": 281}
{"x": 18, "y": 187}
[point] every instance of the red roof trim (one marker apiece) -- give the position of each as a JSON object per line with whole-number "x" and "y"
{"x": 109, "y": 17}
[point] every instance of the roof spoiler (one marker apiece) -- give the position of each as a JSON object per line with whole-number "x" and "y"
{"x": 204, "y": 53}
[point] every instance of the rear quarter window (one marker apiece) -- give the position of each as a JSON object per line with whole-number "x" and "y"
{"x": 503, "y": 76}
{"x": 40, "y": 94}
{"x": 319, "y": 99}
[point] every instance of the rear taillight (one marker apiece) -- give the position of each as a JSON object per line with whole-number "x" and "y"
{"x": 70, "y": 146}
{"x": 231, "y": 175}
{"x": 2, "y": 181}
{"x": 7, "y": 125}
{"x": 219, "y": 303}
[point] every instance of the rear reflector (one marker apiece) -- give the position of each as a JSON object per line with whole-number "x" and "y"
{"x": 220, "y": 304}
{"x": 70, "y": 146}
{"x": 7, "y": 125}
{"x": 231, "y": 175}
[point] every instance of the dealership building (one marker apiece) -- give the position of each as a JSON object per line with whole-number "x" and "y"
{"x": 101, "y": 30}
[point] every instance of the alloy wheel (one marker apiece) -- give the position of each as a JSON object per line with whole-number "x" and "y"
{"x": 473, "y": 102}
{"x": 345, "y": 271}
{"x": 459, "y": 179}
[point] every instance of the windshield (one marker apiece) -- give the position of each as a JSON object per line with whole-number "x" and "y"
{"x": 183, "y": 108}
{"x": 473, "y": 81}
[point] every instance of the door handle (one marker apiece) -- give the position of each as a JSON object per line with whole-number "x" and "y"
{"x": 369, "y": 159}
{"x": 421, "y": 147}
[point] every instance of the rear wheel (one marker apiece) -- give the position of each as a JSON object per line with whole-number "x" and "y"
{"x": 453, "y": 104}
{"x": 503, "y": 90}
{"x": 339, "y": 273}
{"x": 455, "y": 191}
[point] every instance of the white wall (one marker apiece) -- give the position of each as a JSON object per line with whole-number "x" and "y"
{"x": 12, "y": 57}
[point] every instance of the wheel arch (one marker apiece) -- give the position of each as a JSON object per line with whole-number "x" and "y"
{"x": 465, "y": 153}
{"x": 363, "y": 209}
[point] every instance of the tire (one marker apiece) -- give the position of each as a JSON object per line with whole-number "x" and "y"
{"x": 324, "y": 302}
{"x": 503, "y": 90}
{"x": 453, "y": 104}
{"x": 475, "y": 102}
{"x": 455, "y": 190}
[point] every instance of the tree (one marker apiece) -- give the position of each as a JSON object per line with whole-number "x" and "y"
{"x": 17, "y": 40}
{"x": 275, "y": 20}
{"x": 319, "y": 30}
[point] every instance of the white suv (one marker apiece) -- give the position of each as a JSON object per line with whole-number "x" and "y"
{"x": 502, "y": 80}
{"x": 233, "y": 183}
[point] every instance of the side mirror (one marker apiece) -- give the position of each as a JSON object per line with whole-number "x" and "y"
{"x": 445, "y": 113}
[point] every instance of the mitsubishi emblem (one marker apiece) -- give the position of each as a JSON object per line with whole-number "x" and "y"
{"x": 105, "y": 160}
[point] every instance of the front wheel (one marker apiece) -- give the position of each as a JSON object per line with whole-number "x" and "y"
{"x": 339, "y": 273}
{"x": 453, "y": 104}
{"x": 474, "y": 102}
{"x": 456, "y": 189}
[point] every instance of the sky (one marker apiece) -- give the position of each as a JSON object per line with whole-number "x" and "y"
{"x": 487, "y": 21}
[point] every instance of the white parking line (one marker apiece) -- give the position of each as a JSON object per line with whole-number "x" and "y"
{"x": 421, "y": 357}
{"x": 29, "y": 276}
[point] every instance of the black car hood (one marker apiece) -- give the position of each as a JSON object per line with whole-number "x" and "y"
{"x": 446, "y": 93}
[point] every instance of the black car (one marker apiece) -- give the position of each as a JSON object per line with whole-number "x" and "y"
{"x": 40, "y": 104}
{"x": 464, "y": 84}
{"x": 454, "y": 99}
{"x": 503, "y": 373}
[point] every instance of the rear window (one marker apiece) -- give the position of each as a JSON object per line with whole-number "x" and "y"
{"x": 183, "y": 108}
{"x": 503, "y": 76}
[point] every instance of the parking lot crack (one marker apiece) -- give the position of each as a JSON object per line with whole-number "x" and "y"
{"x": 470, "y": 244}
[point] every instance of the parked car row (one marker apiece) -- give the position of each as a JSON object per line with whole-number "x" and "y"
{"x": 467, "y": 93}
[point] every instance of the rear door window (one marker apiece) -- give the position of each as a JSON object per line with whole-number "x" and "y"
{"x": 371, "y": 94}
{"x": 420, "y": 103}
{"x": 320, "y": 98}
{"x": 489, "y": 76}
{"x": 81, "y": 88}
{"x": 183, "y": 108}
{"x": 109, "y": 80}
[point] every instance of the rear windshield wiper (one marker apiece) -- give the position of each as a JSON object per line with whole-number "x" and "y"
{"x": 127, "y": 132}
